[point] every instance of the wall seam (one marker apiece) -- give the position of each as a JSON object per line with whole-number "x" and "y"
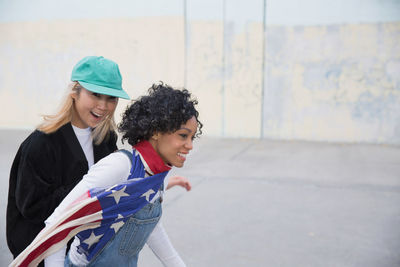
{"x": 223, "y": 66}
{"x": 185, "y": 45}
{"x": 263, "y": 68}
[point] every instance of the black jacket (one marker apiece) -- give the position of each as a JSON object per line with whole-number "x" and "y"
{"x": 44, "y": 171}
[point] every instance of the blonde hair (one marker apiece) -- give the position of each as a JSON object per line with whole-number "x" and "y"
{"x": 52, "y": 123}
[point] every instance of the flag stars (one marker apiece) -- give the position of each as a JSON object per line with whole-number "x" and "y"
{"x": 147, "y": 194}
{"x": 92, "y": 239}
{"x": 117, "y": 225}
{"x": 117, "y": 194}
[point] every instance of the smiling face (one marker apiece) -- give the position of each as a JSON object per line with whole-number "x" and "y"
{"x": 91, "y": 108}
{"x": 174, "y": 147}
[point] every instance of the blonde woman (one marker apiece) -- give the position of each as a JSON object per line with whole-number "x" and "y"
{"x": 55, "y": 157}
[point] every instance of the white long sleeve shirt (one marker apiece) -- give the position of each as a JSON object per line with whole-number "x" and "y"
{"x": 111, "y": 170}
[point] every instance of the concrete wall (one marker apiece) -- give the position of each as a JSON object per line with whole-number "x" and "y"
{"x": 225, "y": 54}
{"x": 332, "y": 71}
{"x": 39, "y": 47}
{"x": 280, "y": 69}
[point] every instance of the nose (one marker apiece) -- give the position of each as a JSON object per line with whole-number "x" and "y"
{"x": 102, "y": 104}
{"x": 189, "y": 144}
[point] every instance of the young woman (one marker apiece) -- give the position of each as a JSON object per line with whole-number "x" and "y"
{"x": 161, "y": 128}
{"x": 53, "y": 159}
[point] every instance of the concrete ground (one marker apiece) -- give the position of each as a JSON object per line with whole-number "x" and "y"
{"x": 273, "y": 203}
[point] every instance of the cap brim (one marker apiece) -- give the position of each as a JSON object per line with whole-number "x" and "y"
{"x": 104, "y": 90}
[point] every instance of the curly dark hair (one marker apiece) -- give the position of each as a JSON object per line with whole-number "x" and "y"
{"x": 163, "y": 110}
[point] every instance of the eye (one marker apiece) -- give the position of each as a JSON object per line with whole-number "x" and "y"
{"x": 183, "y": 135}
{"x": 112, "y": 98}
{"x": 96, "y": 94}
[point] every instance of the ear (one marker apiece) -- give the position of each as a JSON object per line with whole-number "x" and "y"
{"x": 155, "y": 136}
{"x": 74, "y": 95}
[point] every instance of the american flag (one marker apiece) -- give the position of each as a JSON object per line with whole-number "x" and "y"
{"x": 97, "y": 215}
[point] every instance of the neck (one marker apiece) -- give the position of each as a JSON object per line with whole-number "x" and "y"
{"x": 151, "y": 157}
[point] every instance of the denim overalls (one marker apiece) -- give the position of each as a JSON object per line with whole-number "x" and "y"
{"x": 123, "y": 249}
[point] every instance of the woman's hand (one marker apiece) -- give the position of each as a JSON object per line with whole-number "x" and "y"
{"x": 181, "y": 181}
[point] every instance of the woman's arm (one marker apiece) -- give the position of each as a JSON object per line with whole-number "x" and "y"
{"x": 162, "y": 247}
{"x": 159, "y": 241}
{"x": 181, "y": 181}
{"x": 109, "y": 171}
{"x": 37, "y": 188}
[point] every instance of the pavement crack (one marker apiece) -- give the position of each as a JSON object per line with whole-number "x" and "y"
{"x": 241, "y": 152}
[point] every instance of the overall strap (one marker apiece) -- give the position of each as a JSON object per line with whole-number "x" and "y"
{"x": 128, "y": 154}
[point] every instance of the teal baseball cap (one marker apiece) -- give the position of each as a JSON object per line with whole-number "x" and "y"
{"x": 99, "y": 75}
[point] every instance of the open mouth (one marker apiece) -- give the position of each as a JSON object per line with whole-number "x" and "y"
{"x": 96, "y": 115}
{"x": 182, "y": 156}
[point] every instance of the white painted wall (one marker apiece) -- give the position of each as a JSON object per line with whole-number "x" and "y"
{"x": 41, "y": 41}
{"x": 315, "y": 70}
{"x": 332, "y": 71}
{"x": 323, "y": 12}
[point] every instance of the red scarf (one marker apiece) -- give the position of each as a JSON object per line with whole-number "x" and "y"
{"x": 151, "y": 157}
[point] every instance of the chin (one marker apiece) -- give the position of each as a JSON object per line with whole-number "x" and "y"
{"x": 180, "y": 165}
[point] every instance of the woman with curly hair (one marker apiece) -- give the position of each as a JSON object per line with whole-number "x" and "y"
{"x": 160, "y": 127}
